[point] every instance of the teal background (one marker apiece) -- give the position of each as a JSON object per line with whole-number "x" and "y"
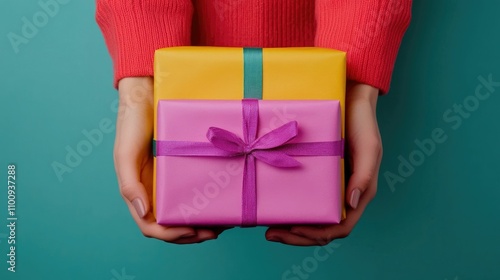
{"x": 441, "y": 222}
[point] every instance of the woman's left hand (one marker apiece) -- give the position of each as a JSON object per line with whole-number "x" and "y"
{"x": 364, "y": 151}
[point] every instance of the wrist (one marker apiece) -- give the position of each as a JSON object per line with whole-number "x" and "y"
{"x": 362, "y": 93}
{"x": 136, "y": 92}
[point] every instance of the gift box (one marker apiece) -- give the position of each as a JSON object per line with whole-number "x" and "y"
{"x": 220, "y": 73}
{"x": 235, "y": 163}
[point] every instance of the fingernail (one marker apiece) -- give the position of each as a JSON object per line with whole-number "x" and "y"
{"x": 189, "y": 234}
{"x": 355, "y": 198}
{"x": 206, "y": 235}
{"x": 274, "y": 239}
{"x": 296, "y": 232}
{"x": 139, "y": 207}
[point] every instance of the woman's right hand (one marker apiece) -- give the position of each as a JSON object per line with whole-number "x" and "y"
{"x": 134, "y": 163}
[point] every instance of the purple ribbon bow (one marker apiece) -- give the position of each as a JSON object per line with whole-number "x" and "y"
{"x": 271, "y": 148}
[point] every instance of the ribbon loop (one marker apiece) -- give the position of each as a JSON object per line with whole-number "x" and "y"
{"x": 226, "y": 141}
{"x": 277, "y": 137}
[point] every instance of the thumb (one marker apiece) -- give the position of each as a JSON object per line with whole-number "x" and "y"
{"x": 365, "y": 155}
{"x": 132, "y": 190}
{"x": 364, "y": 145}
{"x": 133, "y": 135}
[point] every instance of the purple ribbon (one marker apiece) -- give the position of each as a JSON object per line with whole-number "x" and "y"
{"x": 271, "y": 148}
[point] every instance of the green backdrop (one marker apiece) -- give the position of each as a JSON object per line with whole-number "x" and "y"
{"x": 435, "y": 215}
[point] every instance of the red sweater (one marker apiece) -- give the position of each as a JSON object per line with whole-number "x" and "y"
{"x": 370, "y": 31}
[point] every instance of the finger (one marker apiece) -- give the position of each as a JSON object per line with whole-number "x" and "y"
{"x": 147, "y": 174}
{"x": 324, "y": 235}
{"x": 151, "y": 229}
{"x": 131, "y": 154}
{"x": 285, "y": 236}
{"x": 128, "y": 170}
{"x": 201, "y": 236}
{"x": 365, "y": 149}
{"x": 365, "y": 168}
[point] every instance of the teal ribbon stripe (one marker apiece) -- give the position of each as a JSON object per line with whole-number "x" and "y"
{"x": 252, "y": 73}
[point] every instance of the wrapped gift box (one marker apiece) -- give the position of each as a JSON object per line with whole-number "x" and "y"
{"x": 219, "y": 73}
{"x": 236, "y": 163}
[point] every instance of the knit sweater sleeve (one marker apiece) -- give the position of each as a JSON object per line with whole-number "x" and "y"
{"x": 370, "y": 31}
{"x": 134, "y": 29}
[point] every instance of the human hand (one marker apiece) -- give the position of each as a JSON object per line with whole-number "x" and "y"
{"x": 364, "y": 148}
{"x": 134, "y": 163}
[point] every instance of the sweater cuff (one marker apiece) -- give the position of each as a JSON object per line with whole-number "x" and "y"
{"x": 134, "y": 29}
{"x": 370, "y": 31}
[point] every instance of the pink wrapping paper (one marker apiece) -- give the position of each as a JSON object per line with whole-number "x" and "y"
{"x": 207, "y": 191}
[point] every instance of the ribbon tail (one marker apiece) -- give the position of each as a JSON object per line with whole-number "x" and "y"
{"x": 276, "y": 158}
{"x": 327, "y": 148}
{"x": 190, "y": 149}
{"x": 249, "y": 193}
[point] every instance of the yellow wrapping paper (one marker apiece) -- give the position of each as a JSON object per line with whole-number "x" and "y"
{"x": 217, "y": 73}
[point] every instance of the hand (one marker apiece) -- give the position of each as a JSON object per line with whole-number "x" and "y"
{"x": 134, "y": 162}
{"x": 364, "y": 148}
